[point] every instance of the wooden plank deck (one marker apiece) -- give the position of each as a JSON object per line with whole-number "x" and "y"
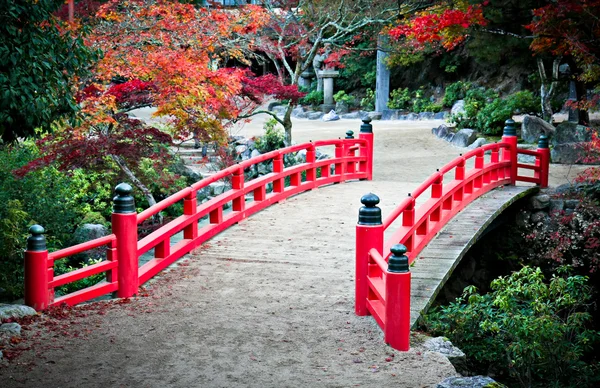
{"x": 434, "y": 266}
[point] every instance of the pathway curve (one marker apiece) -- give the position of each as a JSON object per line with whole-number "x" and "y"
{"x": 268, "y": 303}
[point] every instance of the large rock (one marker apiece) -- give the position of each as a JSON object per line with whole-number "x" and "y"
{"x": 440, "y": 131}
{"x": 341, "y": 107}
{"x": 569, "y": 153}
{"x": 299, "y": 112}
{"x": 533, "y": 127}
{"x": 15, "y": 311}
{"x": 390, "y": 114}
{"x": 539, "y": 202}
{"x": 464, "y": 138}
{"x": 567, "y": 132}
{"x": 84, "y": 233}
{"x": 279, "y": 110}
{"x": 470, "y": 382}
{"x": 412, "y": 116}
{"x": 477, "y": 143}
{"x": 440, "y": 116}
{"x": 10, "y": 329}
{"x": 374, "y": 115}
{"x": 315, "y": 115}
{"x": 444, "y": 346}
{"x": 426, "y": 115}
{"x": 458, "y": 108}
{"x": 352, "y": 115}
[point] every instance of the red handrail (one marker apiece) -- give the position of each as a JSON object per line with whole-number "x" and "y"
{"x": 375, "y": 283}
{"x": 121, "y": 266}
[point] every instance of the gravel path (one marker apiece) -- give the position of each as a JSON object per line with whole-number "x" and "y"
{"x": 268, "y": 303}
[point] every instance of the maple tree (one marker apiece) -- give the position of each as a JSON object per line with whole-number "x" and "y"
{"x": 171, "y": 56}
{"x": 563, "y": 31}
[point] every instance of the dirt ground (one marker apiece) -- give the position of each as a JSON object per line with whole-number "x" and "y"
{"x": 268, "y": 303}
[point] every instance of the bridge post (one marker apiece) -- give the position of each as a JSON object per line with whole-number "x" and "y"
{"x": 366, "y": 133}
{"x": 510, "y": 137}
{"x": 369, "y": 235}
{"x": 37, "y": 294}
{"x": 397, "y": 300}
{"x": 237, "y": 183}
{"x": 350, "y": 166}
{"x": 543, "y": 161}
{"x": 124, "y": 227}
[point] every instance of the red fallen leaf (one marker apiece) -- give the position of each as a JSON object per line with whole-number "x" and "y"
{"x": 388, "y": 359}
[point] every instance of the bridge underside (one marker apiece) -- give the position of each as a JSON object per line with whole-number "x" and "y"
{"x": 434, "y": 266}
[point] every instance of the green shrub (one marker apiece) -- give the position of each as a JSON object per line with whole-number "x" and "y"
{"x": 528, "y": 330}
{"x": 272, "y": 140}
{"x": 342, "y": 97}
{"x": 421, "y": 103}
{"x": 94, "y": 218}
{"x": 368, "y": 101}
{"x": 399, "y": 99}
{"x": 313, "y": 98}
{"x": 454, "y": 92}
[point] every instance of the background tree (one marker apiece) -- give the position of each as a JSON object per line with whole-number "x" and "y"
{"x": 40, "y": 57}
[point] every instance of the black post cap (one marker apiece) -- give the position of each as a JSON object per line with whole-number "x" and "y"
{"x": 509, "y": 128}
{"x": 543, "y": 142}
{"x": 366, "y": 126}
{"x": 398, "y": 261}
{"x": 349, "y": 134}
{"x": 369, "y": 214}
{"x": 36, "y": 242}
{"x": 123, "y": 202}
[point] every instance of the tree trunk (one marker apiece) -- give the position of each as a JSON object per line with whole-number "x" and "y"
{"x": 287, "y": 124}
{"x": 147, "y": 193}
{"x": 548, "y": 87}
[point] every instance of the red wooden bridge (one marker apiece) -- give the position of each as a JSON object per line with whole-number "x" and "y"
{"x": 385, "y": 247}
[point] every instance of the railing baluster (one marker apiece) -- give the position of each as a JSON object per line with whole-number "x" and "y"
{"x": 216, "y": 216}
{"x": 339, "y": 166}
{"x": 509, "y": 154}
{"x": 311, "y": 158}
{"x": 278, "y": 184}
{"x": 494, "y": 160}
{"x": 190, "y": 207}
{"x": 544, "y": 160}
{"x": 350, "y": 166}
{"x": 237, "y": 183}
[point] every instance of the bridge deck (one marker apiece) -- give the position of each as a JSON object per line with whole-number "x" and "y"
{"x": 434, "y": 266}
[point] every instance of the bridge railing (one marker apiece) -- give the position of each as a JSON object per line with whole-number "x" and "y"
{"x": 353, "y": 160}
{"x": 383, "y": 278}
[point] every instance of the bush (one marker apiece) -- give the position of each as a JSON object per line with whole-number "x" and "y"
{"x": 421, "y": 103}
{"x": 342, "y": 97}
{"x": 368, "y": 102}
{"x": 399, "y": 99}
{"x": 454, "y": 92}
{"x": 313, "y": 98}
{"x": 272, "y": 140}
{"x": 61, "y": 267}
{"x": 528, "y": 330}
{"x": 485, "y": 111}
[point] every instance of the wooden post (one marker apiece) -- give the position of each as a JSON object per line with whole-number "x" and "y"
{"x": 397, "y": 300}
{"x": 366, "y": 133}
{"x": 369, "y": 235}
{"x": 510, "y": 137}
{"x": 36, "y": 270}
{"x": 124, "y": 226}
{"x": 544, "y": 160}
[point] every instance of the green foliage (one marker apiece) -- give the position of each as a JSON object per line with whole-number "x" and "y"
{"x": 341, "y": 96}
{"x": 399, "y": 98}
{"x": 13, "y": 228}
{"x": 485, "y": 111}
{"x": 61, "y": 267}
{"x": 38, "y": 63}
{"x": 368, "y": 101}
{"x": 454, "y": 92}
{"x": 94, "y": 218}
{"x": 529, "y": 330}
{"x": 272, "y": 140}
{"x": 313, "y": 98}
{"x": 421, "y": 103}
